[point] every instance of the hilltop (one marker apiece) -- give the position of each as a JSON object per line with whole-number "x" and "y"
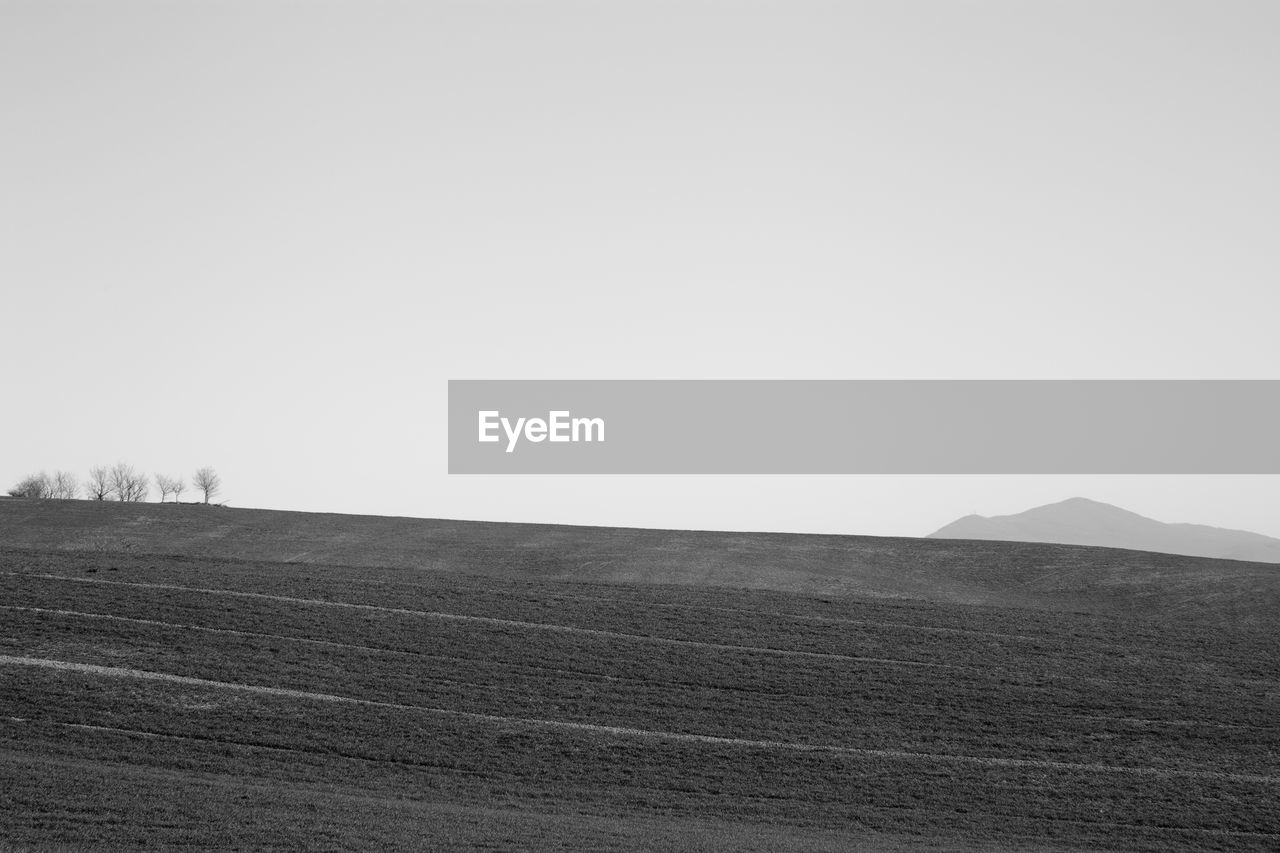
{"x": 995, "y": 573}
{"x": 1080, "y": 521}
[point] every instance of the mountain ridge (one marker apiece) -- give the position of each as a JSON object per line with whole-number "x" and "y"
{"x": 1082, "y": 521}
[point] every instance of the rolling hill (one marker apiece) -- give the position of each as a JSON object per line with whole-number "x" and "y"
{"x": 997, "y": 573}
{"x": 1080, "y": 521}
{"x": 206, "y": 678}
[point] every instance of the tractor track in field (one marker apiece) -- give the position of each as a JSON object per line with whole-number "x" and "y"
{"x": 649, "y": 734}
{"x": 741, "y": 611}
{"x": 261, "y": 635}
{"x": 500, "y": 622}
{"x": 239, "y": 782}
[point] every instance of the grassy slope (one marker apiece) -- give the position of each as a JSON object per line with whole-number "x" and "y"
{"x": 953, "y": 571}
{"x": 481, "y": 699}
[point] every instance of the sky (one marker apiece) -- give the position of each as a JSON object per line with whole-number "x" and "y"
{"x": 263, "y": 235}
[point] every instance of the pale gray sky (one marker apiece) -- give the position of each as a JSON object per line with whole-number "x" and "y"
{"x": 262, "y": 235}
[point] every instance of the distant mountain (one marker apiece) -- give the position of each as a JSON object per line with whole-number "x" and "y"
{"x": 1080, "y": 521}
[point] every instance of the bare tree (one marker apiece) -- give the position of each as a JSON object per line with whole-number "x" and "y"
{"x": 98, "y": 486}
{"x": 165, "y": 485}
{"x": 63, "y": 485}
{"x": 207, "y": 481}
{"x": 127, "y": 484}
{"x": 33, "y": 486}
{"x": 178, "y": 488}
